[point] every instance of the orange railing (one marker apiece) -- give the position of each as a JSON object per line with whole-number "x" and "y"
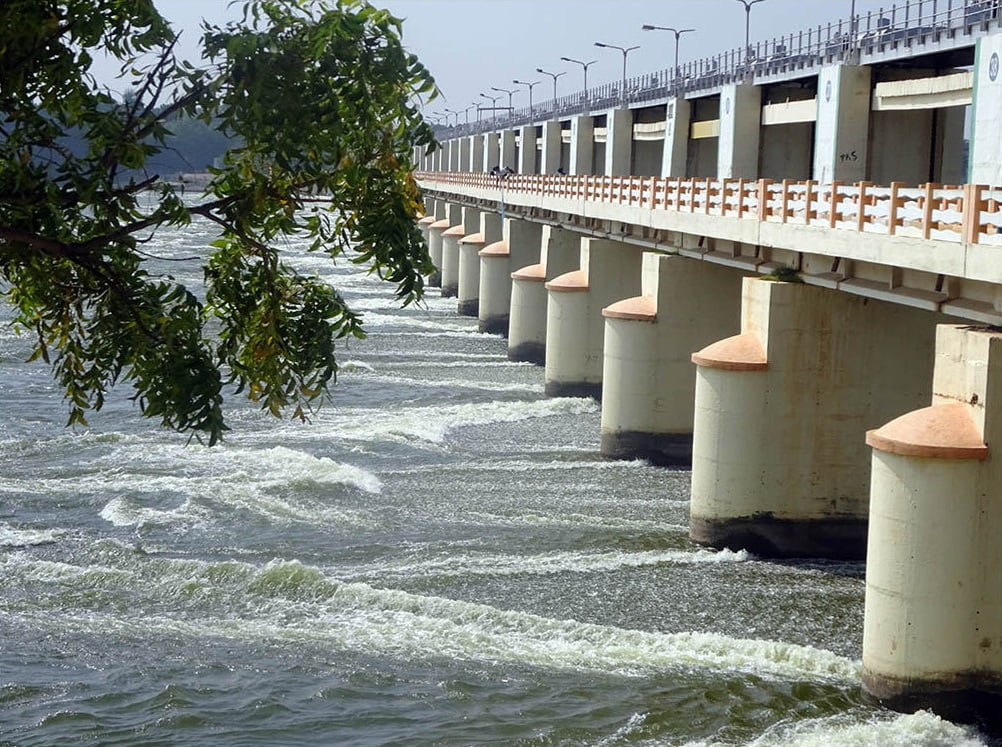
{"x": 968, "y": 213}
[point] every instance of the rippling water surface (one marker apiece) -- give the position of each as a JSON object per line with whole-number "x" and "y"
{"x": 440, "y": 557}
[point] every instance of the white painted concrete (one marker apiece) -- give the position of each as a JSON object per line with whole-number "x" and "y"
{"x": 740, "y": 118}
{"x": 842, "y": 136}
{"x": 582, "y": 145}
{"x": 932, "y": 633}
{"x": 619, "y": 141}
{"x": 648, "y": 380}
{"x": 986, "y": 135}
{"x": 675, "y": 153}
{"x": 559, "y": 253}
{"x": 575, "y": 328}
{"x": 836, "y": 365}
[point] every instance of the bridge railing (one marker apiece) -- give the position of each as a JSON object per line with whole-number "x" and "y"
{"x": 969, "y": 213}
{"x": 904, "y": 25}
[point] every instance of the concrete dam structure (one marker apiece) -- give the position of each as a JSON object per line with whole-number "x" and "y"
{"x": 785, "y": 273}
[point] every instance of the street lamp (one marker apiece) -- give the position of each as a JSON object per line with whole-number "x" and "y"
{"x": 625, "y": 51}
{"x": 467, "y": 112}
{"x": 584, "y": 69}
{"x": 678, "y": 33}
{"x": 453, "y": 111}
{"x": 530, "y": 84}
{"x": 494, "y": 109}
{"x": 748, "y": 6}
{"x": 554, "y": 76}
{"x": 505, "y": 90}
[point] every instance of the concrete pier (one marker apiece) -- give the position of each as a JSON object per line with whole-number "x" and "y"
{"x": 450, "y": 260}
{"x": 468, "y": 291}
{"x": 575, "y": 328}
{"x": 779, "y": 466}
{"x": 518, "y": 246}
{"x": 648, "y": 380}
{"x": 435, "y": 230}
{"x": 559, "y": 252}
{"x": 932, "y": 635}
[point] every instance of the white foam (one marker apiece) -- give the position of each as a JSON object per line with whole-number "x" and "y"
{"x": 921, "y": 729}
{"x": 455, "y": 564}
{"x": 204, "y": 480}
{"x": 11, "y": 536}
{"x": 416, "y": 426}
{"x": 487, "y": 386}
{"x": 291, "y": 601}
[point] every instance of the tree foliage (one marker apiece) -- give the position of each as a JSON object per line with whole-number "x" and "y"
{"x": 323, "y": 103}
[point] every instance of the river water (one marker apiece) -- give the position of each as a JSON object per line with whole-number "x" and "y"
{"x": 440, "y": 557}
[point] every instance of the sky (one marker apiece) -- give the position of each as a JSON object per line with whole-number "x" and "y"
{"x": 472, "y": 45}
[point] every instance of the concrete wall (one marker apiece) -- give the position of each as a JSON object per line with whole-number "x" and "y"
{"x": 780, "y": 464}
{"x": 986, "y": 135}
{"x": 841, "y": 138}
{"x": 787, "y": 151}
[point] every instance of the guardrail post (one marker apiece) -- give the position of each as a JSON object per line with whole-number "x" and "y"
{"x": 763, "y": 199}
{"x": 742, "y": 184}
{"x": 810, "y": 213}
{"x": 927, "y": 207}
{"x": 861, "y": 204}
{"x": 892, "y": 208}
{"x": 785, "y": 206}
{"x": 834, "y": 204}
{"x": 972, "y": 212}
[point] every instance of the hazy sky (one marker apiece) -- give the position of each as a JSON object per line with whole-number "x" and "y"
{"x": 471, "y": 45}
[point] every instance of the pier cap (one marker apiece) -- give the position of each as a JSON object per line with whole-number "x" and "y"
{"x": 637, "y": 309}
{"x": 738, "y": 353}
{"x": 534, "y": 273}
{"x": 569, "y": 282}
{"x": 497, "y": 249}
{"x": 937, "y": 432}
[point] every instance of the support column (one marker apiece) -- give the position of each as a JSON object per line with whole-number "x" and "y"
{"x": 779, "y": 466}
{"x": 575, "y": 328}
{"x": 648, "y": 380}
{"x": 841, "y": 135}
{"x": 492, "y": 150}
{"x": 619, "y": 142}
{"x": 464, "y": 154}
{"x": 986, "y": 112}
{"x": 508, "y": 149}
{"x": 676, "y": 149}
{"x": 468, "y": 281}
{"x": 527, "y": 152}
{"x": 550, "y": 161}
{"x": 477, "y": 153}
{"x": 932, "y": 631}
{"x": 583, "y": 145}
{"x": 740, "y": 122}
{"x": 518, "y": 246}
{"x": 559, "y": 253}
{"x": 451, "y": 234}
{"x": 435, "y": 231}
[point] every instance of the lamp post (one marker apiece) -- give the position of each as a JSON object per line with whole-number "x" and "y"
{"x": 467, "y": 112}
{"x": 584, "y": 70}
{"x": 554, "y": 76}
{"x": 494, "y": 109}
{"x": 453, "y": 111}
{"x": 625, "y": 51}
{"x": 678, "y": 33}
{"x": 748, "y": 6}
{"x": 530, "y": 84}
{"x": 505, "y": 90}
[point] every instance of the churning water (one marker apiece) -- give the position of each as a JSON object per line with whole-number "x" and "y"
{"x": 439, "y": 558}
